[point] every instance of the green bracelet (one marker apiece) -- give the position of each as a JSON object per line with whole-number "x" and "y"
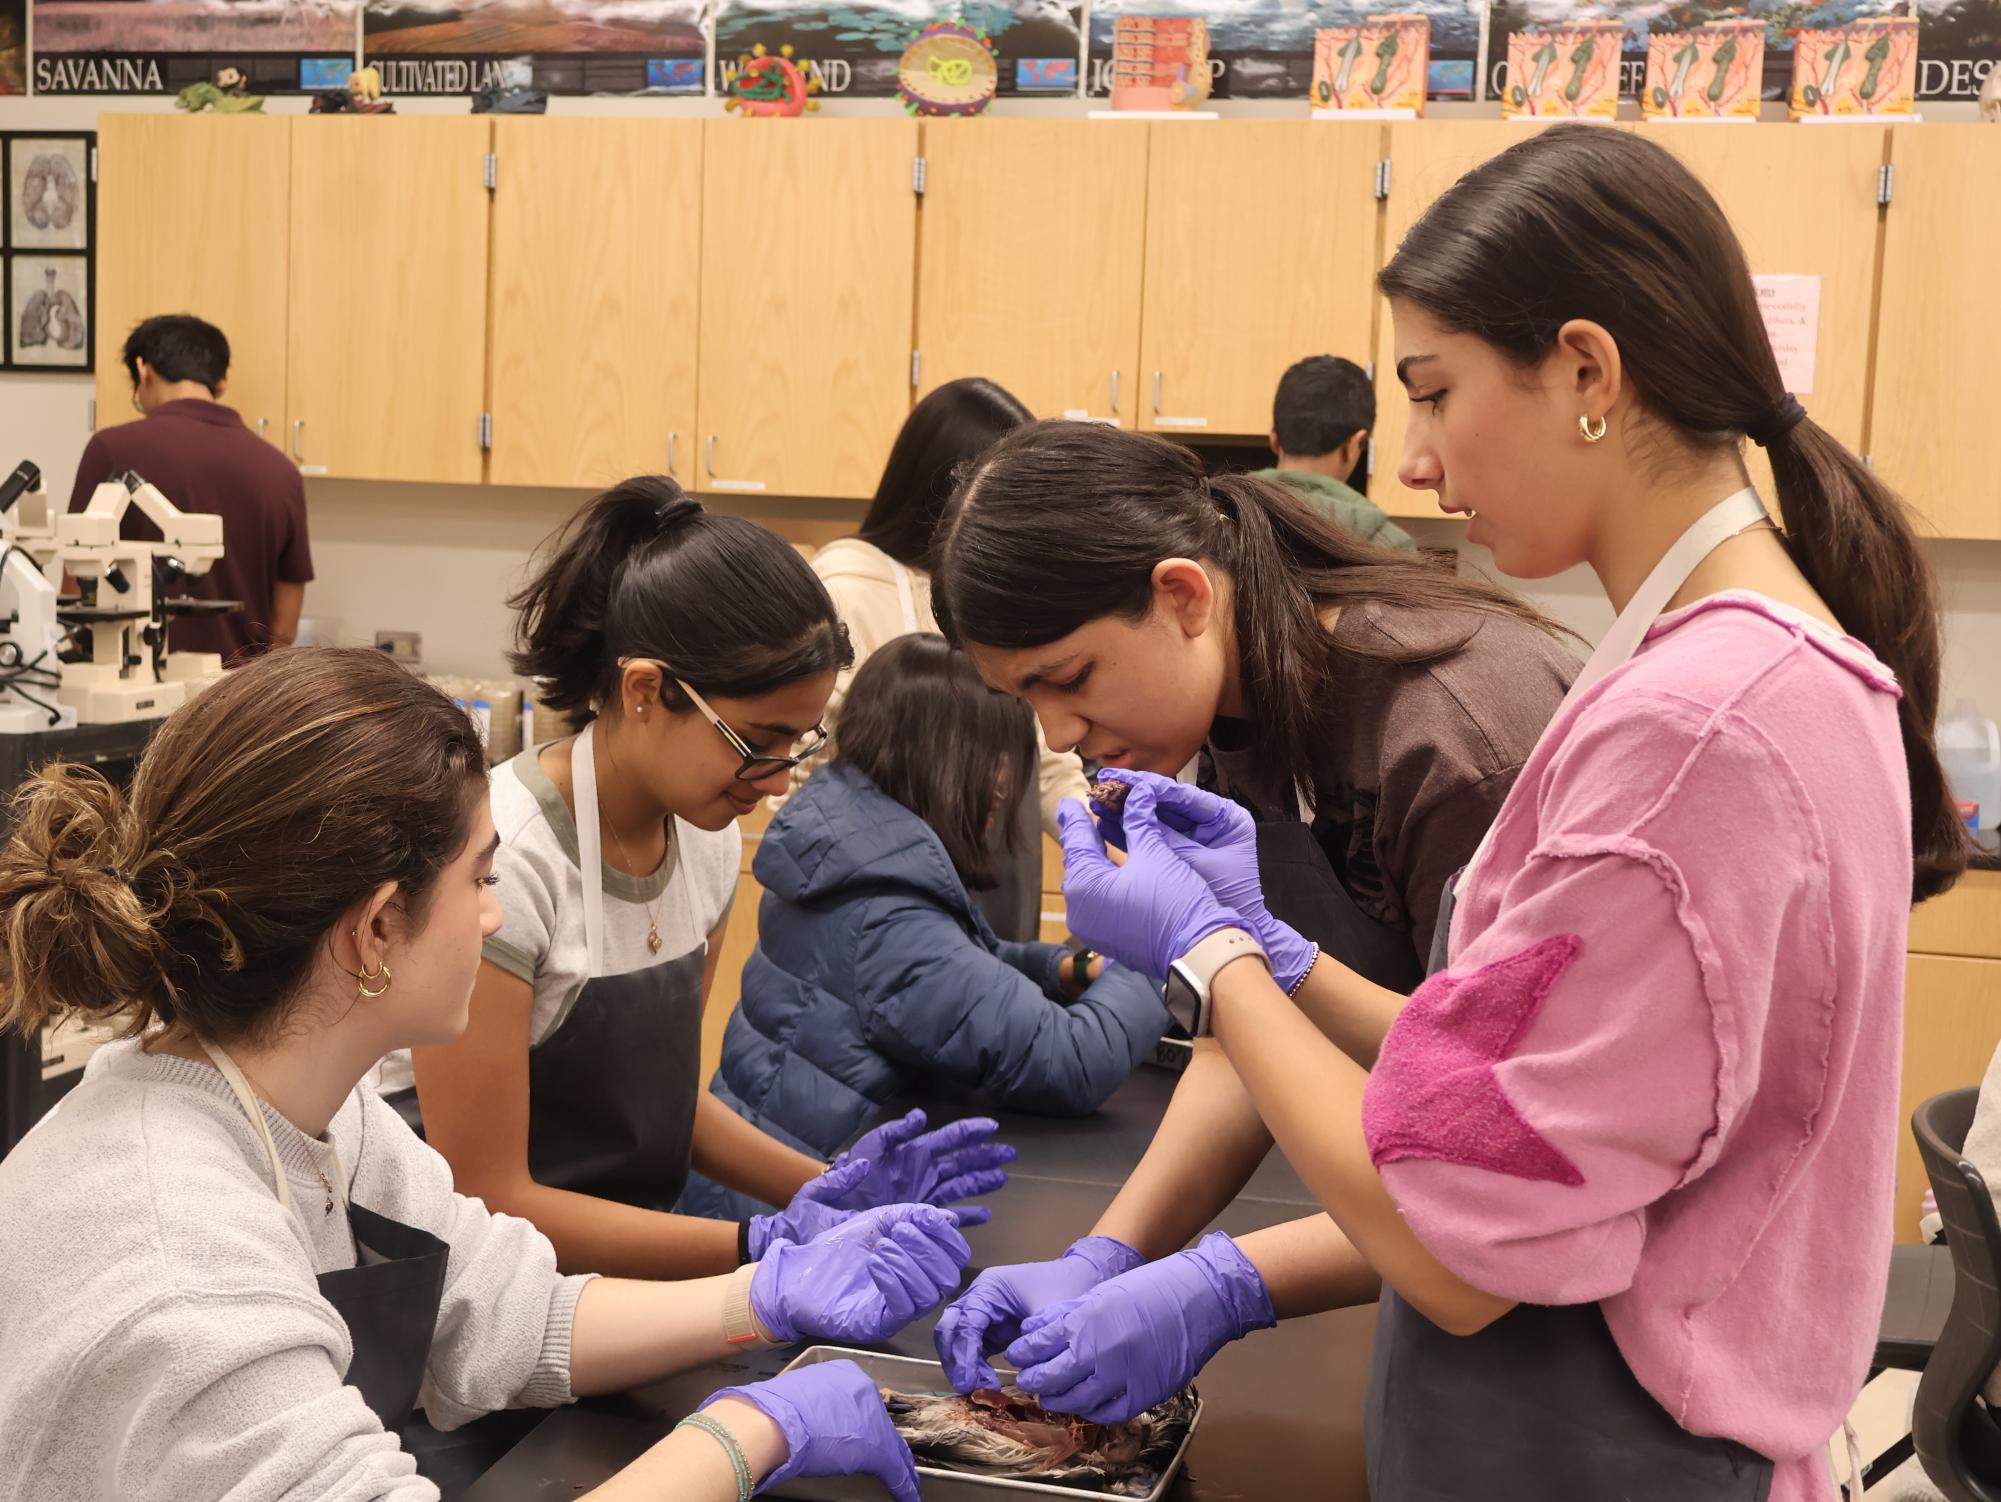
{"x": 727, "y": 1440}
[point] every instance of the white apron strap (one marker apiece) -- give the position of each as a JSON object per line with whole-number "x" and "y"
{"x": 906, "y": 596}
{"x": 247, "y": 1098}
{"x": 590, "y": 845}
{"x": 1733, "y": 514}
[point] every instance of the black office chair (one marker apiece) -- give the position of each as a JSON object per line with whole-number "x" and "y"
{"x": 1958, "y": 1439}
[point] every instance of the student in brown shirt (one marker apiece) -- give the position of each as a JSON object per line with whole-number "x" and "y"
{"x": 202, "y": 458}
{"x": 1153, "y": 616}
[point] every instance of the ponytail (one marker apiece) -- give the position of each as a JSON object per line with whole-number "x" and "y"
{"x": 1852, "y": 538}
{"x": 1576, "y": 222}
{"x": 644, "y": 571}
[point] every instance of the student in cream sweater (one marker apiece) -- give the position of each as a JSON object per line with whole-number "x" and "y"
{"x": 225, "y": 1270}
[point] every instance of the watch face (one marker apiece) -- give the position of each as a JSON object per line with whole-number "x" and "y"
{"x": 1184, "y": 1000}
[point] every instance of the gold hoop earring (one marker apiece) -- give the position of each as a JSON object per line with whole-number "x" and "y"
{"x": 1591, "y": 434}
{"x": 379, "y": 978}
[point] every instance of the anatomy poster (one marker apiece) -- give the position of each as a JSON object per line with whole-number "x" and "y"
{"x": 853, "y": 49}
{"x": 1870, "y": 68}
{"x": 1958, "y": 40}
{"x": 1264, "y": 49}
{"x": 1715, "y": 72}
{"x": 162, "y": 46}
{"x": 1564, "y": 72}
{"x": 1380, "y": 65}
{"x": 13, "y": 46}
{"x": 571, "y": 46}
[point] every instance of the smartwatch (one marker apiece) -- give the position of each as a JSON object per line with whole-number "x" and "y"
{"x": 1080, "y": 967}
{"x": 1189, "y": 978}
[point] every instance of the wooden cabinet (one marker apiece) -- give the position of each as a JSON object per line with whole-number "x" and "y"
{"x": 597, "y": 262}
{"x": 1426, "y": 157}
{"x": 192, "y": 218}
{"x": 1032, "y": 236}
{"x": 1823, "y": 224}
{"x": 739, "y": 943}
{"x": 809, "y": 243}
{"x": 386, "y": 378}
{"x": 1933, "y": 433}
{"x": 1952, "y": 1015}
{"x": 1260, "y": 243}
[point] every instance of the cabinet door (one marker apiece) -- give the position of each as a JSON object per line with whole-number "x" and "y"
{"x": 1932, "y": 431}
{"x": 597, "y": 258}
{"x": 191, "y": 218}
{"x": 387, "y": 367}
{"x": 809, "y": 244}
{"x": 1260, "y": 242}
{"x": 1033, "y": 237}
{"x": 1952, "y": 1023}
{"x": 1835, "y": 173}
{"x": 1426, "y": 157}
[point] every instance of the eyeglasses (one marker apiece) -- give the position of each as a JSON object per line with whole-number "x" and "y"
{"x": 756, "y": 766}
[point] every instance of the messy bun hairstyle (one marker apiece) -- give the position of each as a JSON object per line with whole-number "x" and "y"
{"x": 644, "y": 571}
{"x": 262, "y": 811}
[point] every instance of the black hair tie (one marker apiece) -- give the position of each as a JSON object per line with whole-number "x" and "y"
{"x": 1782, "y": 419}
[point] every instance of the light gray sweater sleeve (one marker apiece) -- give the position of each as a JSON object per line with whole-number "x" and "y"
{"x": 503, "y": 1332}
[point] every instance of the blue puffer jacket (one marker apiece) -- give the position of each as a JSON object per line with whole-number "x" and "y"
{"x": 875, "y": 974}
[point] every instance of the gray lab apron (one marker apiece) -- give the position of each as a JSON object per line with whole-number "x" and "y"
{"x": 1540, "y": 1406}
{"x": 611, "y": 1093}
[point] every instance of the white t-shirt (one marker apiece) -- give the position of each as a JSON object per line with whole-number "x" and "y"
{"x": 541, "y": 892}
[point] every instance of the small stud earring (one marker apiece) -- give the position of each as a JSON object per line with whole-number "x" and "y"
{"x": 1591, "y": 434}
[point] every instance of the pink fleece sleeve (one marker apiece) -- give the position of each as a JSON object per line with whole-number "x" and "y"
{"x": 1534, "y": 1099}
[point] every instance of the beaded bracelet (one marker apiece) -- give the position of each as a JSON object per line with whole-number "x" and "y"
{"x": 1293, "y": 989}
{"x": 727, "y": 1440}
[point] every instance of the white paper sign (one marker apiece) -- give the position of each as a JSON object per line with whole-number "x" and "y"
{"x": 1791, "y": 309}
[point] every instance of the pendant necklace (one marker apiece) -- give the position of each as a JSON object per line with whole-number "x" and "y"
{"x": 652, "y": 916}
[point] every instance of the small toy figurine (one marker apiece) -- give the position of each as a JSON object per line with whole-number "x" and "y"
{"x": 771, "y": 85}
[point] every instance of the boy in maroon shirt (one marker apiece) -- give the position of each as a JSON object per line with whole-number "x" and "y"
{"x": 202, "y": 458}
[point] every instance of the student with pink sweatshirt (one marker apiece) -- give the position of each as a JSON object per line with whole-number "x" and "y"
{"x": 1622, "y": 1164}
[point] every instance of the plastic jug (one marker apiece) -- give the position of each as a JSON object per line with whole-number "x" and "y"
{"x": 1969, "y": 746}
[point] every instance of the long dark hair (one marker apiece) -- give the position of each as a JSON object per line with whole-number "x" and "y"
{"x": 1061, "y": 523}
{"x": 644, "y": 571}
{"x": 953, "y": 424}
{"x": 1581, "y": 223}
{"x": 263, "y": 809}
{"x": 920, "y": 725}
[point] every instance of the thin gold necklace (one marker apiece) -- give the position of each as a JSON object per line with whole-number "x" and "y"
{"x": 652, "y": 916}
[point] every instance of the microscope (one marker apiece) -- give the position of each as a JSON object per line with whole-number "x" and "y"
{"x": 32, "y": 639}
{"x": 113, "y": 656}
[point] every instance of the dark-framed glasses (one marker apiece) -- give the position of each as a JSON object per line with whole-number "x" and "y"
{"x": 757, "y": 765}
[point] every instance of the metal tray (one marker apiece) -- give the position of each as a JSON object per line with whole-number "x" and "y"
{"x": 910, "y": 1374}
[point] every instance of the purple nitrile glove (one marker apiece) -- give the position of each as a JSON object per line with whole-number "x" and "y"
{"x": 988, "y": 1315}
{"x": 1147, "y": 913}
{"x": 910, "y": 1166}
{"x": 809, "y": 1214}
{"x": 1140, "y": 1338}
{"x": 862, "y": 1281}
{"x": 834, "y": 1425}
{"x": 1220, "y": 840}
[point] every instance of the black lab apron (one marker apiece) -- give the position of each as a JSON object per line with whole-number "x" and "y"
{"x": 612, "y": 1091}
{"x": 389, "y": 1299}
{"x": 1541, "y": 1405}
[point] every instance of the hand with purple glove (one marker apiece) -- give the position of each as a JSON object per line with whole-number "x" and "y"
{"x": 989, "y": 1315}
{"x": 1149, "y": 912}
{"x": 910, "y": 1166}
{"x": 809, "y": 1214}
{"x": 1219, "y": 839}
{"x": 862, "y": 1281}
{"x": 834, "y": 1424}
{"x": 1140, "y": 1338}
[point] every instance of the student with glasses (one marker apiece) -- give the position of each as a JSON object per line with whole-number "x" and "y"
{"x": 696, "y": 654}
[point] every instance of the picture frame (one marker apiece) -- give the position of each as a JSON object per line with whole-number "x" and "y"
{"x": 48, "y": 251}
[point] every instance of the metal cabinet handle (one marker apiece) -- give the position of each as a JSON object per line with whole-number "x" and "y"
{"x": 1161, "y": 419}
{"x": 717, "y": 482}
{"x": 298, "y": 427}
{"x": 262, "y": 424}
{"x": 671, "y": 437}
{"x": 1115, "y": 393}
